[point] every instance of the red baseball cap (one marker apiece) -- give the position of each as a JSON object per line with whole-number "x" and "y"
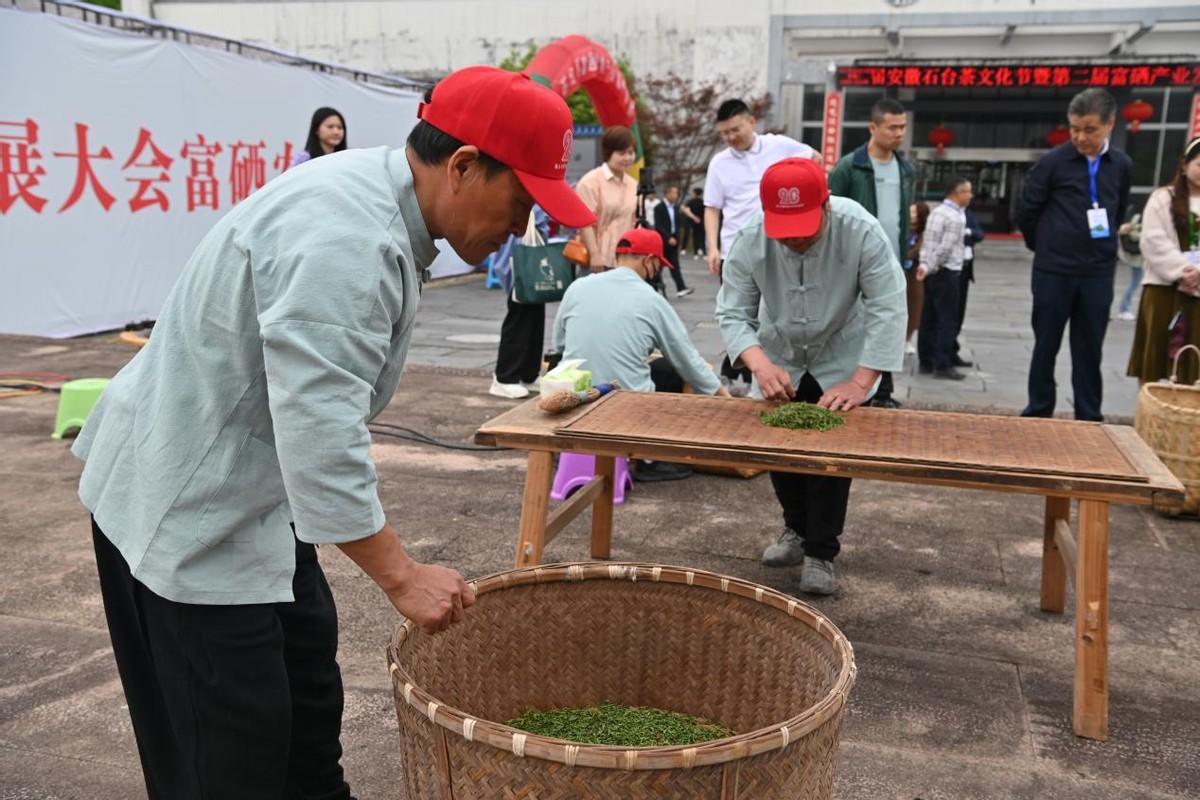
{"x": 521, "y": 124}
{"x": 643, "y": 242}
{"x": 792, "y": 193}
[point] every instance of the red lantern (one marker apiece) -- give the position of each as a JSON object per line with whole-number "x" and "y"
{"x": 1136, "y": 113}
{"x": 1059, "y": 135}
{"x": 941, "y": 138}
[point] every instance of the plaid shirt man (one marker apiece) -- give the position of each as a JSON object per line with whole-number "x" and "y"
{"x": 942, "y": 247}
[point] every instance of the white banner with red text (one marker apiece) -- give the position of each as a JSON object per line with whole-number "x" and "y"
{"x": 118, "y": 152}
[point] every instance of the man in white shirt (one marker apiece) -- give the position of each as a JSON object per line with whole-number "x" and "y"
{"x": 731, "y": 186}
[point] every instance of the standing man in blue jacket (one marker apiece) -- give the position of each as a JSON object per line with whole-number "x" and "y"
{"x": 1073, "y": 201}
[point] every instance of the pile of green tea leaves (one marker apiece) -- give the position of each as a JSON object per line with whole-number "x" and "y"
{"x": 620, "y": 726}
{"x": 802, "y": 416}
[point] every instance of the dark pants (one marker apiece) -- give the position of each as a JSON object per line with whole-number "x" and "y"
{"x": 693, "y": 236}
{"x": 672, "y": 254}
{"x": 665, "y": 378}
{"x": 519, "y": 357}
{"x": 1084, "y": 302}
{"x": 814, "y": 506}
{"x": 968, "y": 275}
{"x": 234, "y": 701}
{"x": 939, "y": 319}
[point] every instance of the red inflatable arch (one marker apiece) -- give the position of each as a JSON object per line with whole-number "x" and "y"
{"x": 574, "y": 62}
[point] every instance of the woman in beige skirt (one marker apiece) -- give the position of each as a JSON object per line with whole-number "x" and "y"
{"x": 1169, "y": 314}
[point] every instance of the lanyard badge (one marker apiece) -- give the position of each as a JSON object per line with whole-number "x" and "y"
{"x": 1097, "y": 217}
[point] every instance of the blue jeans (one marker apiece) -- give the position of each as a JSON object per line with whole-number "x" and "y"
{"x": 1134, "y": 282}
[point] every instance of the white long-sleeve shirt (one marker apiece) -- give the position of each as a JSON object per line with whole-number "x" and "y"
{"x": 1162, "y": 257}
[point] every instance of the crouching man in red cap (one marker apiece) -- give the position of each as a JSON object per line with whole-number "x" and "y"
{"x": 237, "y": 439}
{"x": 831, "y": 319}
{"x": 615, "y": 320}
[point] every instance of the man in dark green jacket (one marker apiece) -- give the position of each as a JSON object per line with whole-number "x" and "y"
{"x": 879, "y": 179}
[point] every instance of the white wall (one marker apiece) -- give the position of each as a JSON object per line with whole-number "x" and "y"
{"x": 696, "y": 38}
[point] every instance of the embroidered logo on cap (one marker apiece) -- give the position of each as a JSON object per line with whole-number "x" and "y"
{"x": 568, "y": 142}
{"x": 789, "y": 197}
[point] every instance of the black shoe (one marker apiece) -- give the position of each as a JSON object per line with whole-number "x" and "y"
{"x": 956, "y": 361}
{"x": 654, "y": 471}
{"x": 882, "y": 402}
{"x": 948, "y": 374}
{"x": 924, "y": 369}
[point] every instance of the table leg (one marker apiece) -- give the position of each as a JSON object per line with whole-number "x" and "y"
{"x": 602, "y": 508}
{"x": 534, "y": 507}
{"x": 1054, "y": 570}
{"x": 1091, "y": 622}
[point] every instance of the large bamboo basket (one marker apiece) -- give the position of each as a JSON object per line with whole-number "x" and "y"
{"x": 1168, "y": 419}
{"x": 766, "y": 665}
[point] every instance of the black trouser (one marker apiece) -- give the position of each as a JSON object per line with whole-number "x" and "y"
{"x": 233, "y": 701}
{"x": 939, "y": 319}
{"x": 886, "y": 387}
{"x": 814, "y": 506}
{"x": 672, "y": 254}
{"x": 1085, "y": 303}
{"x": 519, "y": 357}
{"x": 964, "y": 286}
{"x": 665, "y": 378}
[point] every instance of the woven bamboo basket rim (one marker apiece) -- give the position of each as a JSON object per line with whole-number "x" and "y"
{"x": 775, "y": 736}
{"x": 1173, "y": 385}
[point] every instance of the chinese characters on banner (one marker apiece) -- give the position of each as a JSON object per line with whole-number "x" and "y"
{"x": 1021, "y": 75}
{"x": 831, "y": 134}
{"x": 1195, "y": 118}
{"x": 147, "y": 170}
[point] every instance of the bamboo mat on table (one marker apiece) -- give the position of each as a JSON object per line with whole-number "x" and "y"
{"x": 1005, "y": 444}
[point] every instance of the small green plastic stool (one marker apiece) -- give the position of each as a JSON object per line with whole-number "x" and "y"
{"x": 75, "y": 403}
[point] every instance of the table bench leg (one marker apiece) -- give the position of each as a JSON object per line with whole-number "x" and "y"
{"x": 602, "y": 508}
{"x": 1091, "y": 622}
{"x": 1054, "y": 571}
{"x": 534, "y": 508}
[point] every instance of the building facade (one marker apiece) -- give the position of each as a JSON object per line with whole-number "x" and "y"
{"x": 989, "y": 80}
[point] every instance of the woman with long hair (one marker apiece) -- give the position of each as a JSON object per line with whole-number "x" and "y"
{"x": 915, "y": 294}
{"x": 326, "y": 134}
{"x": 1169, "y": 314}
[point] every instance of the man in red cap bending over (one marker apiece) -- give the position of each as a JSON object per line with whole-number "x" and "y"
{"x": 831, "y": 319}
{"x": 615, "y": 320}
{"x": 237, "y": 439}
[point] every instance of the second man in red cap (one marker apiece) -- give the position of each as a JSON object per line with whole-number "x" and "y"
{"x": 813, "y": 303}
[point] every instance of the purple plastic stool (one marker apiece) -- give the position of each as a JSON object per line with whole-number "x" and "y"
{"x": 576, "y": 469}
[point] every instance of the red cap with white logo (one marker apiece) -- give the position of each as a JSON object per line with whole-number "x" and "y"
{"x": 521, "y": 124}
{"x": 643, "y": 242}
{"x": 792, "y": 193}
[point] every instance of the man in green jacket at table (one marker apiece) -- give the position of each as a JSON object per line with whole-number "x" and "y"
{"x": 237, "y": 439}
{"x": 813, "y": 303}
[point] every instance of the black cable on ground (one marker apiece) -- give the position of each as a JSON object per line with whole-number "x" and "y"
{"x": 408, "y": 434}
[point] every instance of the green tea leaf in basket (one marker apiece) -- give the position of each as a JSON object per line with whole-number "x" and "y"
{"x": 620, "y": 726}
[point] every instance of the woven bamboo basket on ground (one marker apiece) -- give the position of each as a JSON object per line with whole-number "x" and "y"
{"x": 767, "y": 666}
{"x": 1168, "y": 419}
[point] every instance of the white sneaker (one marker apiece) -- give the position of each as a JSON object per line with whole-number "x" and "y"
{"x": 910, "y": 348}
{"x": 533, "y": 388}
{"x": 509, "y": 391}
{"x": 684, "y": 292}
{"x": 1128, "y": 316}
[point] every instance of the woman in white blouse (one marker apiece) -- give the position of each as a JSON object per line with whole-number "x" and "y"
{"x": 1169, "y": 314}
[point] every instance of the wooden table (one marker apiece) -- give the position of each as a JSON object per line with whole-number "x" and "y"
{"x": 1061, "y": 460}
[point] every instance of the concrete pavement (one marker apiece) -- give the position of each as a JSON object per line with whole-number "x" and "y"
{"x": 964, "y": 686}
